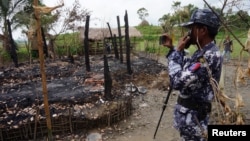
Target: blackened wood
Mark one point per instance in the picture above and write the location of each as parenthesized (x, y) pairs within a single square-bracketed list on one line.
[(104, 46), (115, 47), (111, 34), (127, 43), (107, 79), (86, 44), (113, 44), (13, 48), (120, 39), (71, 59), (45, 47)]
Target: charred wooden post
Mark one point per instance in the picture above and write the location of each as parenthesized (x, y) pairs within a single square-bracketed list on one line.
[(13, 48), (120, 39), (97, 46), (110, 31), (36, 121), (86, 44), (115, 47), (113, 42), (71, 59), (127, 43), (107, 79), (45, 47), (111, 34), (43, 73), (106, 48)]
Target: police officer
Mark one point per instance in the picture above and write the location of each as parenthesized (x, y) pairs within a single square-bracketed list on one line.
[(228, 48), (195, 77)]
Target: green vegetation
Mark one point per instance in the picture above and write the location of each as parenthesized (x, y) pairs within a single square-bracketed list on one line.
[(150, 39), (149, 42), (68, 44), (22, 55)]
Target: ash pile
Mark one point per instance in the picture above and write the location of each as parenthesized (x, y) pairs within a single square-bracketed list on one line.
[(76, 97)]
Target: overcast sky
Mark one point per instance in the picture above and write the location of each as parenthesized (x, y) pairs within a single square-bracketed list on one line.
[(103, 11)]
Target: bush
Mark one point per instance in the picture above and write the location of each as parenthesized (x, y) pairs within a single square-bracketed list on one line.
[(144, 23), (4, 56)]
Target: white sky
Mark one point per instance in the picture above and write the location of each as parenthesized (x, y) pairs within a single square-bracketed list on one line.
[(103, 11)]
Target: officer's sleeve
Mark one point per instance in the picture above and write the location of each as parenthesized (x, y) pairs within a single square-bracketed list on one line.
[(175, 67), (183, 77)]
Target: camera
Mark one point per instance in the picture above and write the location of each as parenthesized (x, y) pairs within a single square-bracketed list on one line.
[(162, 39)]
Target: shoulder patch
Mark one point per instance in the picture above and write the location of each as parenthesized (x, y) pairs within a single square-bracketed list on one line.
[(194, 67)]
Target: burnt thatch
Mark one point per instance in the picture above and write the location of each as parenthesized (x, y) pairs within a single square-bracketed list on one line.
[(101, 33)]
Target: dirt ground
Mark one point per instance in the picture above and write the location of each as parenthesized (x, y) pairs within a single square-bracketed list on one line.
[(141, 125)]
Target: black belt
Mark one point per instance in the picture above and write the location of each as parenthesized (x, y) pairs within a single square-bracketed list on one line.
[(193, 105)]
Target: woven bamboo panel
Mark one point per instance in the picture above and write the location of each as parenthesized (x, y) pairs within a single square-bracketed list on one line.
[(65, 124)]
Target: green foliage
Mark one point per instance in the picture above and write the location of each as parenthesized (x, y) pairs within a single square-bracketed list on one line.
[(142, 13), (150, 49), (68, 44), (151, 36), (4, 56), (144, 23), (146, 30), (22, 54), (150, 33)]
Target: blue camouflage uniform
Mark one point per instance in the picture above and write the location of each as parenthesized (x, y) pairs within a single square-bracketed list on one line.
[(191, 77)]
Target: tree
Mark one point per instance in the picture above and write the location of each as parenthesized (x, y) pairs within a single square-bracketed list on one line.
[(143, 13), (176, 5), (67, 20), (8, 10), (180, 15), (60, 21), (167, 22), (25, 20)]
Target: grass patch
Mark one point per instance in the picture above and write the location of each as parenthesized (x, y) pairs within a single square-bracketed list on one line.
[(150, 41)]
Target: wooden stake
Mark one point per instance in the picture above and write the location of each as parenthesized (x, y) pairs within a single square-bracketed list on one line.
[(42, 71), (127, 40)]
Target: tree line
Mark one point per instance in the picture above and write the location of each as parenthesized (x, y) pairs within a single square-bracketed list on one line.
[(20, 15)]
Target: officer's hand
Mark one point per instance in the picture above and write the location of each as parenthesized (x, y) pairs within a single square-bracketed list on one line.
[(182, 43)]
